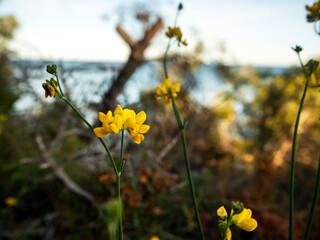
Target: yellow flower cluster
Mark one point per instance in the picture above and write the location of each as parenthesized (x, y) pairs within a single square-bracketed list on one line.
[(176, 32), (314, 12), (123, 119), (166, 87), (154, 238), (242, 220), (50, 88), (11, 201)]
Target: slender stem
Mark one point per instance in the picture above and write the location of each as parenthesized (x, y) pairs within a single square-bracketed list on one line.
[(181, 128), (313, 205), (119, 206), (119, 186), (121, 150), (187, 162), (168, 46), (165, 59), (293, 153), (223, 235), (59, 84), (90, 126)]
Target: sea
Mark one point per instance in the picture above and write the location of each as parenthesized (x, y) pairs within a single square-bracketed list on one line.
[(87, 81)]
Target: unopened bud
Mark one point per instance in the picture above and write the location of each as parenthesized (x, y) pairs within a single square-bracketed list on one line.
[(237, 207), (297, 49)]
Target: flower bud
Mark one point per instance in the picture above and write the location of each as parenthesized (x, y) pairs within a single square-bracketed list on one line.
[(297, 49), (222, 225), (237, 207), (52, 69)]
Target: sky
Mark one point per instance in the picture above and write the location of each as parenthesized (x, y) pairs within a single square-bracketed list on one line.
[(252, 32)]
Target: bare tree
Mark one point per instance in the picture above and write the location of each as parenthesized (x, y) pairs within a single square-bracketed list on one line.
[(136, 58)]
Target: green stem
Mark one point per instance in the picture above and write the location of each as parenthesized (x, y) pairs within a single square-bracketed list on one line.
[(187, 162), (90, 126), (293, 152), (313, 205), (121, 150), (59, 84), (223, 235), (165, 59), (119, 186), (119, 206)]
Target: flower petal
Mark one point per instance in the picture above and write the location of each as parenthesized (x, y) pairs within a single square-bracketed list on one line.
[(175, 87), (137, 138), (222, 213), (228, 234), (118, 110), (100, 132), (167, 83), (245, 214), (114, 128), (109, 117), (141, 117), (102, 116), (144, 129), (248, 224)]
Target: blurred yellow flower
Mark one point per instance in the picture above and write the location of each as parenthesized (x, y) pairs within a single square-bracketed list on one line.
[(154, 238), (314, 12), (176, 32), (166, 86), (124, 119), (11, 201), (50, 88), (228, 234), (222, 213), (106, 119), (3, 117)]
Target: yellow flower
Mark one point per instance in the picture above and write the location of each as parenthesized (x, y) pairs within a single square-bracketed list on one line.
[(50, 88), (106, 119), (314, 12), (154, 238), (124, 119), (176, 32), (244, 221), (222, 213), (11, 201), (163, 90), (228, 234)]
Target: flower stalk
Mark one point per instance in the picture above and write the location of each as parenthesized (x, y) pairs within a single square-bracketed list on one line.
[(314, 202), (311, 65), (123, 119), (187, 162), (169, 92)]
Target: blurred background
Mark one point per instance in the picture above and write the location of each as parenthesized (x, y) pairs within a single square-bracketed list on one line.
[(241, 87)]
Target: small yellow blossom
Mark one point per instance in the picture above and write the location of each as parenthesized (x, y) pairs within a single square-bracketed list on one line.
[(222, 213), (3, 117), (228, 234), (163, 90), (314, 12), (50, 88), (154, 238), (11, 201), (176, 32), (123, 119), (242, 220)]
